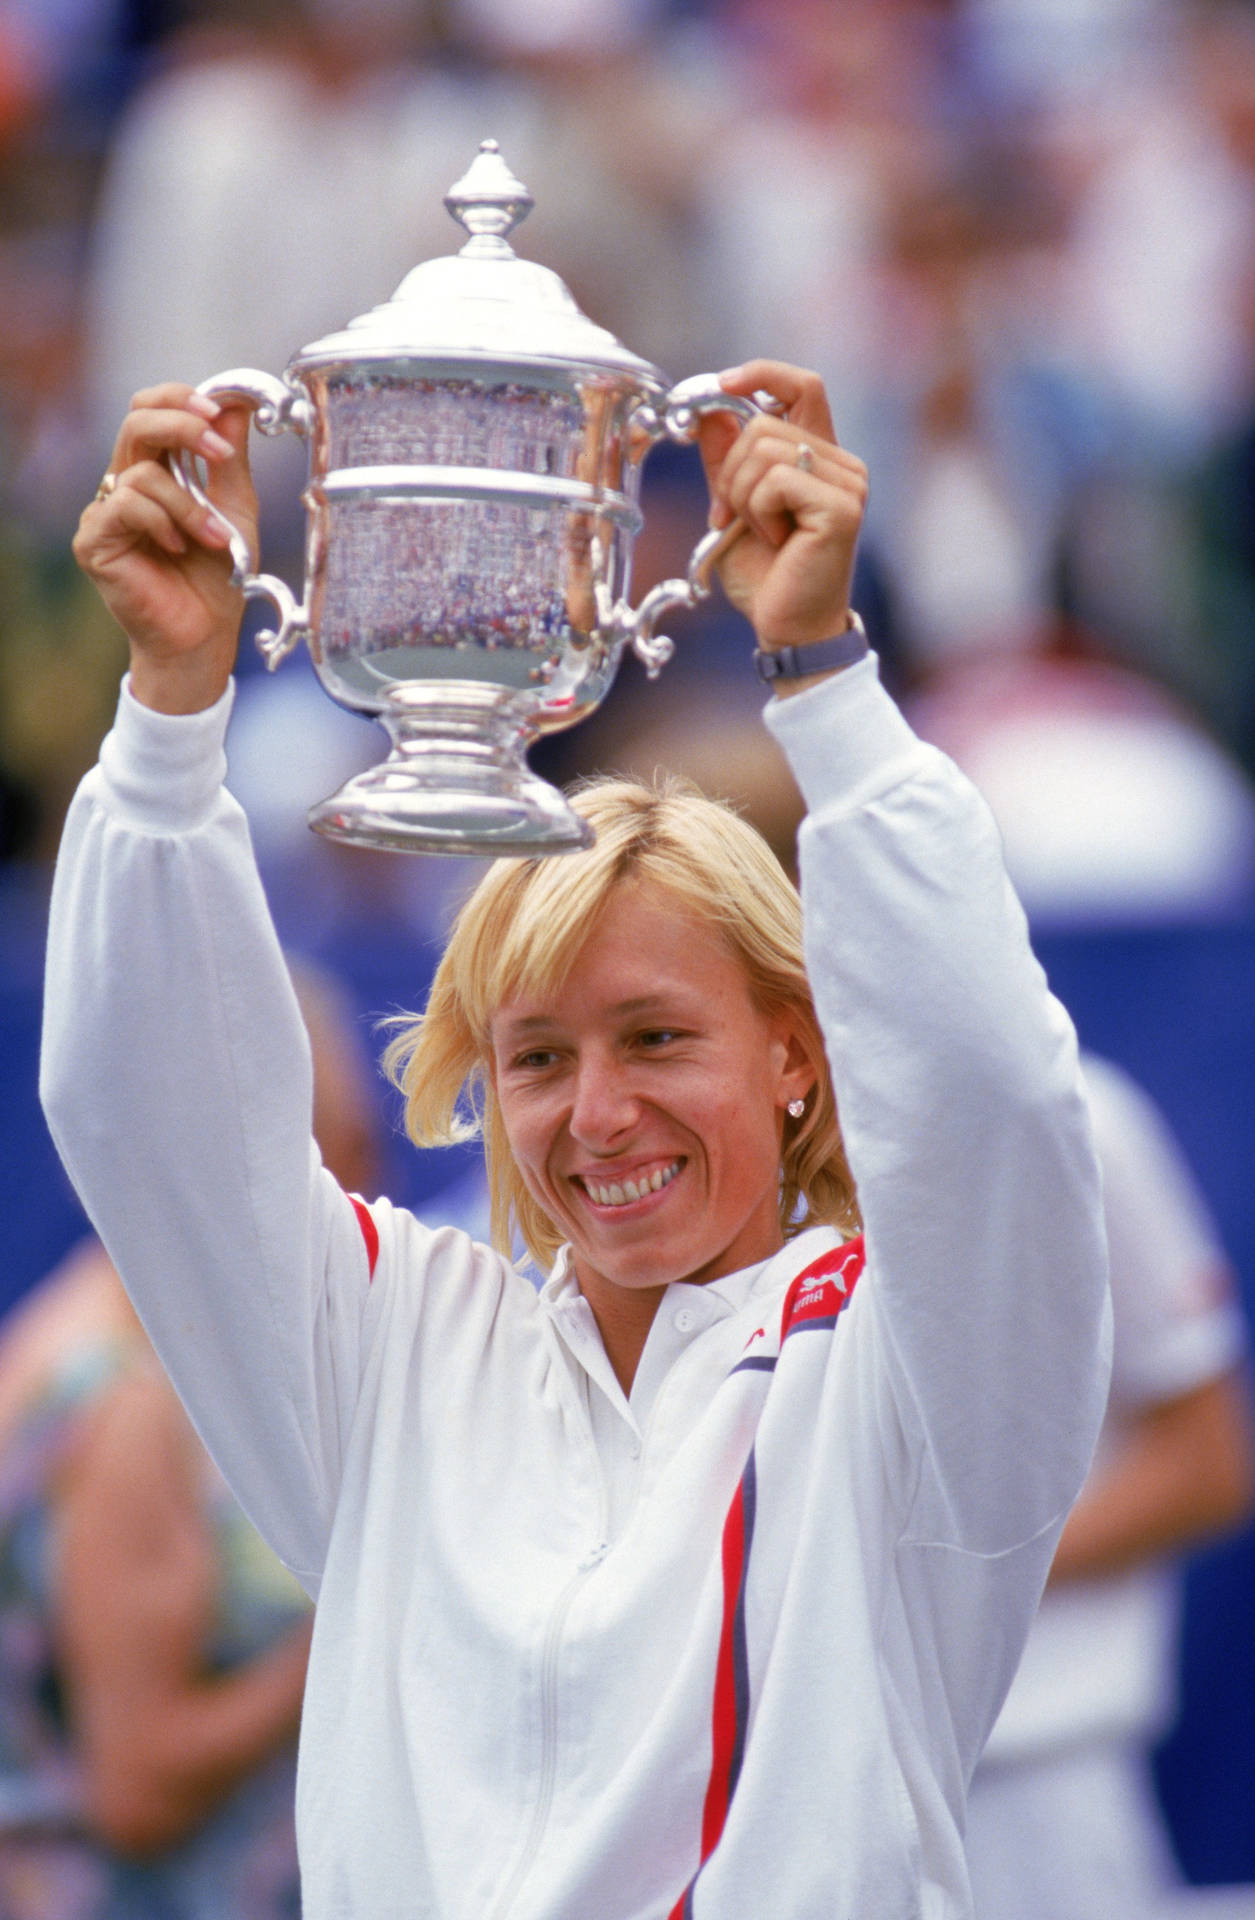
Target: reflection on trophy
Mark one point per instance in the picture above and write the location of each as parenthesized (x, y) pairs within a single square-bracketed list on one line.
[(475, 456)]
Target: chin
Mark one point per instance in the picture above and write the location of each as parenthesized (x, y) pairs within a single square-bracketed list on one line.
[(657, 1272)]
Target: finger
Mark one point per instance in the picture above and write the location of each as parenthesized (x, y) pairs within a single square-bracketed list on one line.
[(827, 470), (131, 522), (771, 443), (176, 393), (719, 434), (800, 392), (766, 442), (230, 481), (149, 501), (137, 517), (154, 480), (151, 431), (785, 497)]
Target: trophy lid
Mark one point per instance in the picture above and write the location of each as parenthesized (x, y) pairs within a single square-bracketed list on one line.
[(484, 302)]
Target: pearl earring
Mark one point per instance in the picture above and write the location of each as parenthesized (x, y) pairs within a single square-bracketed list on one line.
[(797, 1108)]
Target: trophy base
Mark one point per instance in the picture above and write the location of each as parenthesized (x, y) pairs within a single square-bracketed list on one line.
[(452, 785)]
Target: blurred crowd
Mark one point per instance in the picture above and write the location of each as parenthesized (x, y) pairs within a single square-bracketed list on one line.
[(1016, 236)]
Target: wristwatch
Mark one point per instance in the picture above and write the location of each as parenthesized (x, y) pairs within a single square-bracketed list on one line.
[(792, 663)]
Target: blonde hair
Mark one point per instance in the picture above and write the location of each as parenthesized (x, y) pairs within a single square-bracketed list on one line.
[(520, 932)]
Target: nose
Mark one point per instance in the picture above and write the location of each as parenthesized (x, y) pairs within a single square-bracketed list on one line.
[(603, 1105)]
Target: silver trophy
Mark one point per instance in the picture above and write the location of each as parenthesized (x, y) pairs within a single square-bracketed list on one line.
[(475, 455)]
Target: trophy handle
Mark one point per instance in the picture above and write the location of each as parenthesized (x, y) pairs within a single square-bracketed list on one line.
[(280, 407), (684, 406)]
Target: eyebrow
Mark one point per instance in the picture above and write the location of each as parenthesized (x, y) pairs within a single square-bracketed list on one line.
[(621, 1010)]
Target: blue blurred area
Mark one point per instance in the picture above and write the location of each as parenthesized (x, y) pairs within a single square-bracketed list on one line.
[(1175, 1005), (39, 1215)]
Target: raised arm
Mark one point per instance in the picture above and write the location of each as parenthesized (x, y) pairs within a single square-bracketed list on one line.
[(959, 1092), (955, 1071), (958, 1088), (176, 1071)]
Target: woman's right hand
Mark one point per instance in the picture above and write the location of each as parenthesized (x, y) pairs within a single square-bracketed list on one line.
[(159, 560)]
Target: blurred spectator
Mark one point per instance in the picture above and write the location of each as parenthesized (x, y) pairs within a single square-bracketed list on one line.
[(731, 758), (1159, 263), (60, 663), (1031, 54), (279, 171), (831, 112), (1116, 807), (605, 119), (269, 183), (152, 1650), (1155, 317), (977, 434), (1219, 505), (1062, 1816)]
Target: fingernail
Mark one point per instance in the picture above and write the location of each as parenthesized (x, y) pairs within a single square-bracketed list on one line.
[(720, 515), (213, 443), (215, 533), (201, 403), (729, 375)]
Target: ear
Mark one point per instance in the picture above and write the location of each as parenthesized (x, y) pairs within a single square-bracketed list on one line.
[(798, 1075)]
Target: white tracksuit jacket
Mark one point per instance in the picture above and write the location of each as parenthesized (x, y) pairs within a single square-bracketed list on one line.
[(728, 1649)]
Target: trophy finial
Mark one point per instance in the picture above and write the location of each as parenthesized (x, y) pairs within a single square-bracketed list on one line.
[(489, 202)]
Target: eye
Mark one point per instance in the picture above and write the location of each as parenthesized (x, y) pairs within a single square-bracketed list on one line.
[(535, 1060), (655, 1037)]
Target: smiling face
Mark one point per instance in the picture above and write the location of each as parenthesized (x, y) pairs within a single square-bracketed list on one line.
[(643, 1100)]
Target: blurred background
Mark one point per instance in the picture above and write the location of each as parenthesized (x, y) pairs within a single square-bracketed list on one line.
[(1018, 239)]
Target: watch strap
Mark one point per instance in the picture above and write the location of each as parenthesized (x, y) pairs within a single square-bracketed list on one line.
[(821, 656)]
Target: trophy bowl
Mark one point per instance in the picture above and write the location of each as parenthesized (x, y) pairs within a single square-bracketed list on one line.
[(475, 453)]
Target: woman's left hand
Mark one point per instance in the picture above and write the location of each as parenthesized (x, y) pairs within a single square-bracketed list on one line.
[(790, 570)]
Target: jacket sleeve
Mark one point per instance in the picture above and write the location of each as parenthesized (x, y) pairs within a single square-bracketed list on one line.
[(965, 1124), (177, 1082)]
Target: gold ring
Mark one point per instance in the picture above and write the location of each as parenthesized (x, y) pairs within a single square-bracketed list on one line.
[(805, 458), (107, 485)]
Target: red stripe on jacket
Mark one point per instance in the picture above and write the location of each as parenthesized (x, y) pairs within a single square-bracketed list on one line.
[(725, 1722), (370, 1232), (818, 1294)]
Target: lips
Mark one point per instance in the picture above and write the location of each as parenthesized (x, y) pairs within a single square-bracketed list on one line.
[(625, 1190)]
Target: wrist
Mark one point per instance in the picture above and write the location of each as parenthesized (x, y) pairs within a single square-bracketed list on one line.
[(182, 683), (791, 669)]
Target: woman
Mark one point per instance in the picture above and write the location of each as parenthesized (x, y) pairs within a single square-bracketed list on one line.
[(691, 1585)]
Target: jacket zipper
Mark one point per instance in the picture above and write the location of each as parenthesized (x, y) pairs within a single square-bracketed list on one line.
[(550, 1652), (548, 1729)]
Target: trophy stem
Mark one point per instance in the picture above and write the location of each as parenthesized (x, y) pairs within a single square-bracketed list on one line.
[(456, 780)]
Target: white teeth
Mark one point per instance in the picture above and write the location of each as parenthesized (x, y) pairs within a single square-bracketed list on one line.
[(621, 1194)]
